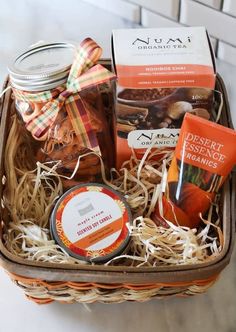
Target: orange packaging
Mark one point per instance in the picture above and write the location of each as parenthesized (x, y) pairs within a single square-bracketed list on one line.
[(162, 74), (204, 156)]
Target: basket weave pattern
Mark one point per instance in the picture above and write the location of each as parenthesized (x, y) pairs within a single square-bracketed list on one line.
[(43, 292)]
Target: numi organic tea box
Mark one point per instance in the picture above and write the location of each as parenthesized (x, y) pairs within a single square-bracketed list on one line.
[(162, 74)]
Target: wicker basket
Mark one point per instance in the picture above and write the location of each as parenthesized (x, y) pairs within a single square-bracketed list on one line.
[(47, 282)]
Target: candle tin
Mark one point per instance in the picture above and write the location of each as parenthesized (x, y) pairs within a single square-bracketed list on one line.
[(90, 222)]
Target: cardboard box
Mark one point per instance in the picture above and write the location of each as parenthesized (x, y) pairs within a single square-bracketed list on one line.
[(162, 74)]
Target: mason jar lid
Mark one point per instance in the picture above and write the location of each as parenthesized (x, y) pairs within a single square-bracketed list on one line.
[(42, 67), (90, 222)]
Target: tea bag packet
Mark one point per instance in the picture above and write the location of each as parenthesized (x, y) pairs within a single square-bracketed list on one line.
[(203, 158), (56, 87)]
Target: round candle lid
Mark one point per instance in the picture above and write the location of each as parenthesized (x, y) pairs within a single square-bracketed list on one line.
[(90, 222)]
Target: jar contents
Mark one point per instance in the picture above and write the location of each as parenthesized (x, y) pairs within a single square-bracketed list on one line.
[(63, 104)]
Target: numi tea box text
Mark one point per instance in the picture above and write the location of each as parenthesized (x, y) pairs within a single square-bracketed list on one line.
[(162, 74)]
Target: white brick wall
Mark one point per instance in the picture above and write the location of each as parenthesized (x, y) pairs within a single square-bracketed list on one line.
[(213, 3), (226, 52), (218, 24), (152, 20), (169, 8), (119, 7), (229, 7), (218, 16)]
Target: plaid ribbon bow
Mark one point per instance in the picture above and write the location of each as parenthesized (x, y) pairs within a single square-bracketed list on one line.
[(84, 73)]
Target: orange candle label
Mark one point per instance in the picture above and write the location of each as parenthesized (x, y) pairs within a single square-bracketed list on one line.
[(90, 222)]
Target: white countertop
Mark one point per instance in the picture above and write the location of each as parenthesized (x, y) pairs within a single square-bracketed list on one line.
[(23, 23)]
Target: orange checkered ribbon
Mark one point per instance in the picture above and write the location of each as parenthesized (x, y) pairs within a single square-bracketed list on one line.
[(84, 73)]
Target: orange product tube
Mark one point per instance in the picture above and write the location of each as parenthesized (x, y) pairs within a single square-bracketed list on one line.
[(204, 156)]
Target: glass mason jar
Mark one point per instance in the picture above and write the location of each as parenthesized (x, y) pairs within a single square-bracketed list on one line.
[(45, 68)]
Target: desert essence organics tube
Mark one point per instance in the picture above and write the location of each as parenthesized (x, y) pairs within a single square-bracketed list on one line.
[(204, 156)]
